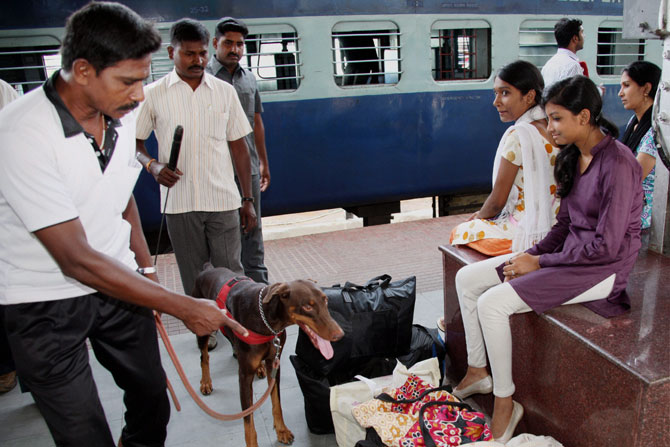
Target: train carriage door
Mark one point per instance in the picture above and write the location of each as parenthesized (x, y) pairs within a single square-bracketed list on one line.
[(27, 61), (366, 53)]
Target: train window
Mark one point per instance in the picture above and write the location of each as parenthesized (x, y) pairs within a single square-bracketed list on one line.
[(461, 50), (161, 64), (273, 55), (615, 52), (366, 53), (537, 43), (27, 66)]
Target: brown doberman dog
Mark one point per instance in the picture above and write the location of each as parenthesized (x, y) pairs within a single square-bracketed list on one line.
[(263, 310)]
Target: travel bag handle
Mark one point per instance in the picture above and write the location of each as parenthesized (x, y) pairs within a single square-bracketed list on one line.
[(377, 281), (427, 438)]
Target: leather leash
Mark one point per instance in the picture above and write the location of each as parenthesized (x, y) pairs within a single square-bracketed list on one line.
[(216, 415)]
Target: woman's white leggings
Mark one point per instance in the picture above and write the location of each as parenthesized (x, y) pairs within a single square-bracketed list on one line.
[(486, 305)]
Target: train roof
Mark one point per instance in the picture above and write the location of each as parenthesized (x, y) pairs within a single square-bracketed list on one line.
[(18, 14)]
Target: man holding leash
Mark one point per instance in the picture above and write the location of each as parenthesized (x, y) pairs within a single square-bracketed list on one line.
[(72, 238), (228, 45), (202, 214)]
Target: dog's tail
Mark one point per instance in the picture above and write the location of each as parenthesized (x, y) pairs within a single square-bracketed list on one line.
[(207, 266)]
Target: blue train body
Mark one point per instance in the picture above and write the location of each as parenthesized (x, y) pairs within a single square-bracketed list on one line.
[(331, 146)]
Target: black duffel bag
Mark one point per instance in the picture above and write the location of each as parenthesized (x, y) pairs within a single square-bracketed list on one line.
[(377, 322)]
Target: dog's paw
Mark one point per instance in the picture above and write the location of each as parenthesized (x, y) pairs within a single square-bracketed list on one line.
[(206, 388), (285, 436), (261, 372)]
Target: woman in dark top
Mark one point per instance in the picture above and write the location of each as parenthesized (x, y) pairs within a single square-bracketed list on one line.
[(639, 82), (586, 257)]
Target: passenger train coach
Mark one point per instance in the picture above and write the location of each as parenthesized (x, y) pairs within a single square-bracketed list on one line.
[(366, 102)]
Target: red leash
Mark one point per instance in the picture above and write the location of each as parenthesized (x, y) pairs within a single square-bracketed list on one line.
[(194, 395)]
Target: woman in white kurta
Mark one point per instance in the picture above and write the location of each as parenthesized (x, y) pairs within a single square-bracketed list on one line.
[(521, 207)]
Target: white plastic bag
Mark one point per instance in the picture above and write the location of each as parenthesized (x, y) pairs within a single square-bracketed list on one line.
[(343, 397), (528, 440)]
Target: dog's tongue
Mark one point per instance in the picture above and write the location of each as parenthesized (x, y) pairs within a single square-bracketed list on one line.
[(325, 347)]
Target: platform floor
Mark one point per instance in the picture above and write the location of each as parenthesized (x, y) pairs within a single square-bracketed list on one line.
[(399, 249)]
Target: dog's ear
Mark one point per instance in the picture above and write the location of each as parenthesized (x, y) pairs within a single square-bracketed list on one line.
[(280, 289)]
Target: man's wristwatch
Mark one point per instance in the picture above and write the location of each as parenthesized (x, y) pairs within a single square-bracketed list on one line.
[(146, 270), (247, 199)]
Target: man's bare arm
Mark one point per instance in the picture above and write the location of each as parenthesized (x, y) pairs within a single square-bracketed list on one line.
[(138, 243), (67, 244), (259, 139), (158, 170), (239, 152)]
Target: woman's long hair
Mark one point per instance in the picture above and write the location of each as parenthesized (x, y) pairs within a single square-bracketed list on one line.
[(575, 94), (523, 76), (642, 72)]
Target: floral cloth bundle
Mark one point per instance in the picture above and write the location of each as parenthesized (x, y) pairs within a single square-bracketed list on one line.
[(417, 415)]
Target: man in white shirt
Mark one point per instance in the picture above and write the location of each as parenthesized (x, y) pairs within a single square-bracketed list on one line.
[(202, 211), (7, 368), (72, 239), (569, 35), (7, 94)]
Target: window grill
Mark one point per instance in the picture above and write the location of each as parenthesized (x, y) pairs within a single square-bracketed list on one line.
[(275, 60), (273, 57), (364, 56), (161, 64), (27, 67), (615, 52), (460, 53), (537, 43)]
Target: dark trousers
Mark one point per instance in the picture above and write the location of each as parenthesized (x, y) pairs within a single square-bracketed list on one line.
[(253, 250), (201, 236), (6, 360), (48, 341)]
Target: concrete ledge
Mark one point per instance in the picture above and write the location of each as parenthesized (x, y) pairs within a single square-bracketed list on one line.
[(584, 379)]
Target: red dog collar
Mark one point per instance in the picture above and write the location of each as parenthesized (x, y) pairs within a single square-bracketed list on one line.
[(253, 338)]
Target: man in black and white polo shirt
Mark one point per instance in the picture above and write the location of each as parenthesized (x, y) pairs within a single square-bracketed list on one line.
[(72, 241)]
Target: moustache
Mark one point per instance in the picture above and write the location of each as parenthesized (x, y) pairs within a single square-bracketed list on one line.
[(196, 66), (130, 106)]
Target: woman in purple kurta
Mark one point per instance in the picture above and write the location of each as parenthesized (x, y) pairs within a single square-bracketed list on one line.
[(597, 234), (586, 257)]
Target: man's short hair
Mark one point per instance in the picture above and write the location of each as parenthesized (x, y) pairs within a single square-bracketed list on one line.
[(565, 29), (231, 24), (106, 33), (188, 30)]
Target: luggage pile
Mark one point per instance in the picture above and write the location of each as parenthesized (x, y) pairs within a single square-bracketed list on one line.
[(377, 322)]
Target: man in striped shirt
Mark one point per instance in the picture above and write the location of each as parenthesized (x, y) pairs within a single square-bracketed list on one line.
[(202, 212)]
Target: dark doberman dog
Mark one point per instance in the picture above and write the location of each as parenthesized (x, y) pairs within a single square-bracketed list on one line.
[(256, 307)]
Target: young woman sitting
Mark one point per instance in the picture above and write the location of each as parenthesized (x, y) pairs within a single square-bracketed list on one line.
[(585, 258), (639, 82), (521, 207)]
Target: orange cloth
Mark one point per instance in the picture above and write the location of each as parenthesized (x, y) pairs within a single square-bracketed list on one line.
[(490, 247)]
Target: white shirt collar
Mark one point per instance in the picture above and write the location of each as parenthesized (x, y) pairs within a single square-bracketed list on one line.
[(173, 78), (568, 53)]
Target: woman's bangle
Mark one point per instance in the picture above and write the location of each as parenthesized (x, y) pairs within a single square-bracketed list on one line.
[(149, 165)]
